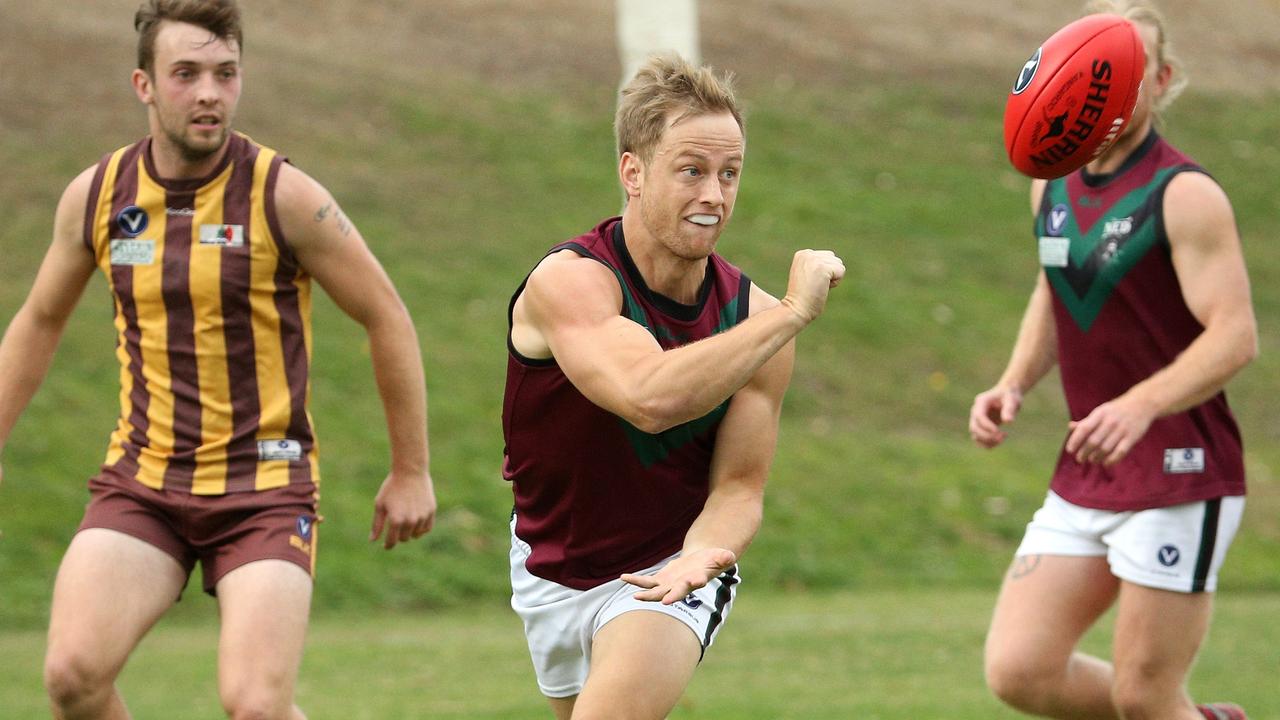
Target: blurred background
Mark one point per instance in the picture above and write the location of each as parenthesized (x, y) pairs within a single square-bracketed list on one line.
[(464, 137)]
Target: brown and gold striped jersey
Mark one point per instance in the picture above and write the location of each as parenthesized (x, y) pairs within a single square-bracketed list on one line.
[(213, 322)]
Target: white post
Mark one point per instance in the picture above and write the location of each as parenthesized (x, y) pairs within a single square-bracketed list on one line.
[(646, 27)]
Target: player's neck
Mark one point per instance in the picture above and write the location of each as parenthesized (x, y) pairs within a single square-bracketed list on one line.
[(663, 271), (170, 164), (1114, 157)]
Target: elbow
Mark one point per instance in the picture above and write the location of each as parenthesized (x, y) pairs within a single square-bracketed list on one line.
[(652, 415)]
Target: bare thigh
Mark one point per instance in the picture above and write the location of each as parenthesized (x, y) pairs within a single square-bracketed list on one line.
[(641, 663), (1046, 604), (264, 607), (111, 589), (1157, 636)]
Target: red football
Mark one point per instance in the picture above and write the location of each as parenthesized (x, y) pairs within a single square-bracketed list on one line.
[(1074, 96)]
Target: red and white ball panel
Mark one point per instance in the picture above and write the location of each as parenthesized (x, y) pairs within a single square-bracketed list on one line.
[(1074, 96)]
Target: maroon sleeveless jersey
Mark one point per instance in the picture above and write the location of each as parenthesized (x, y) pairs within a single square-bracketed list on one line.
[(595, 496), (1120, 318)]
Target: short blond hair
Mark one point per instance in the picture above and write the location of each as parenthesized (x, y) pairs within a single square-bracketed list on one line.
[(1144, 13), (668, 83)]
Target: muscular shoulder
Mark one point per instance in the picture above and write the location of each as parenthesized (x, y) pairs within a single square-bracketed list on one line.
[(1196, 208), (566, 279), (301, 204), (72, 206)]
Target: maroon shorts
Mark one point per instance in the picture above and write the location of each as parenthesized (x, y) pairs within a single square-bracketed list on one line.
[(223, 532)]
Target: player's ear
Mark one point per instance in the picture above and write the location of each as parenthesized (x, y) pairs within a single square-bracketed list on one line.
[(631, 174), (143, 86)]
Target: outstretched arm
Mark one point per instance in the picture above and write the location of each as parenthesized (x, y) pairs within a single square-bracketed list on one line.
[(744, 451), (1215, 285), (569, 310), (331, 249), (29, 343)]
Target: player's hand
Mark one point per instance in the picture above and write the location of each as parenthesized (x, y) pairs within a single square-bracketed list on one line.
[(405, 507), (682, 575), (813, 274), (1108, 433), (991, 409)]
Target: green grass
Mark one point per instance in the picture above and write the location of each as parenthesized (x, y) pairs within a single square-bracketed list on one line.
[(882, 655), (459, 186)]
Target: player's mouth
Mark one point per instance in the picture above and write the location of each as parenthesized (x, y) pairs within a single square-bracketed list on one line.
[(704, 220), (206, 122)]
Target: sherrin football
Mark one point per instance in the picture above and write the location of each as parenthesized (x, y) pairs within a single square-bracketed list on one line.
[(1074, 96)]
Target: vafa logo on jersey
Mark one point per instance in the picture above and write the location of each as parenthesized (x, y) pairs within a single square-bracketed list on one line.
[(133, 220)]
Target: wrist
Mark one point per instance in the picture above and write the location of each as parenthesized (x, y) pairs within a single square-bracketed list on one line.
[(801, 317)]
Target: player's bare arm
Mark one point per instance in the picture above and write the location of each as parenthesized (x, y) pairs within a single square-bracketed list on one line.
[(32, 337), (1211, 272), (569, 310), (331, 249), (744, 452)]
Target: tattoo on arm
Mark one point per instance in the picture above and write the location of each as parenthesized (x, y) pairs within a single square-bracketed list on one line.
[(1024, 565), (344, 225)]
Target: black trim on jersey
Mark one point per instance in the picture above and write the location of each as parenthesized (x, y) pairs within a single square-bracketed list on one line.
[(723, 595), (511, 307), (667, 306), (1208, 538), (744, 298), (1099, 181)]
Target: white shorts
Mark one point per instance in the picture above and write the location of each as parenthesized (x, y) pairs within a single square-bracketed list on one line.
[(1179, 548), (561, 622)]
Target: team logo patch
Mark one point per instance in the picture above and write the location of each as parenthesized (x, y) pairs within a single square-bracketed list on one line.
[(282, 449), (1028, 73), (692, 601), (1057, 220), (133, 252), (304, 526), (133, 220), (1168, 555), (224, 235), (1183, 460)]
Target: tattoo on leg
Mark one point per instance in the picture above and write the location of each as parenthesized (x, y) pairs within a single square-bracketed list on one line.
[(1023, 566)]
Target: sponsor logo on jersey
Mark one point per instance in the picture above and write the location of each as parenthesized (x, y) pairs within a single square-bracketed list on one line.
[(1055, 251), (133, 252), (224, 235), (282, 449), (1183, 460), (186, 212), (133, 220), (1168, 555)]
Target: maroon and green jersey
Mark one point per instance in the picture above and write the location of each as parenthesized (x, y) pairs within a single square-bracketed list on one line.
[(1120, 317), (595, 496)]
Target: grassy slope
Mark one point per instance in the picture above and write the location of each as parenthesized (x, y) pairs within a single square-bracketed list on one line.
[(459, 186)]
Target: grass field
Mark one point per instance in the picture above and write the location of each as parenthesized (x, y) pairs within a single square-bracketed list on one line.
[(891, 655)]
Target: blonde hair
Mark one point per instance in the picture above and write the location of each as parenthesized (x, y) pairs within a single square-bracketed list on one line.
[(664, 84), (1143, 12)]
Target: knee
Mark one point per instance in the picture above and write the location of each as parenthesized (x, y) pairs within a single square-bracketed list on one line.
[(72, 678), (1139, 695), (1018, 681), (249, 704)]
